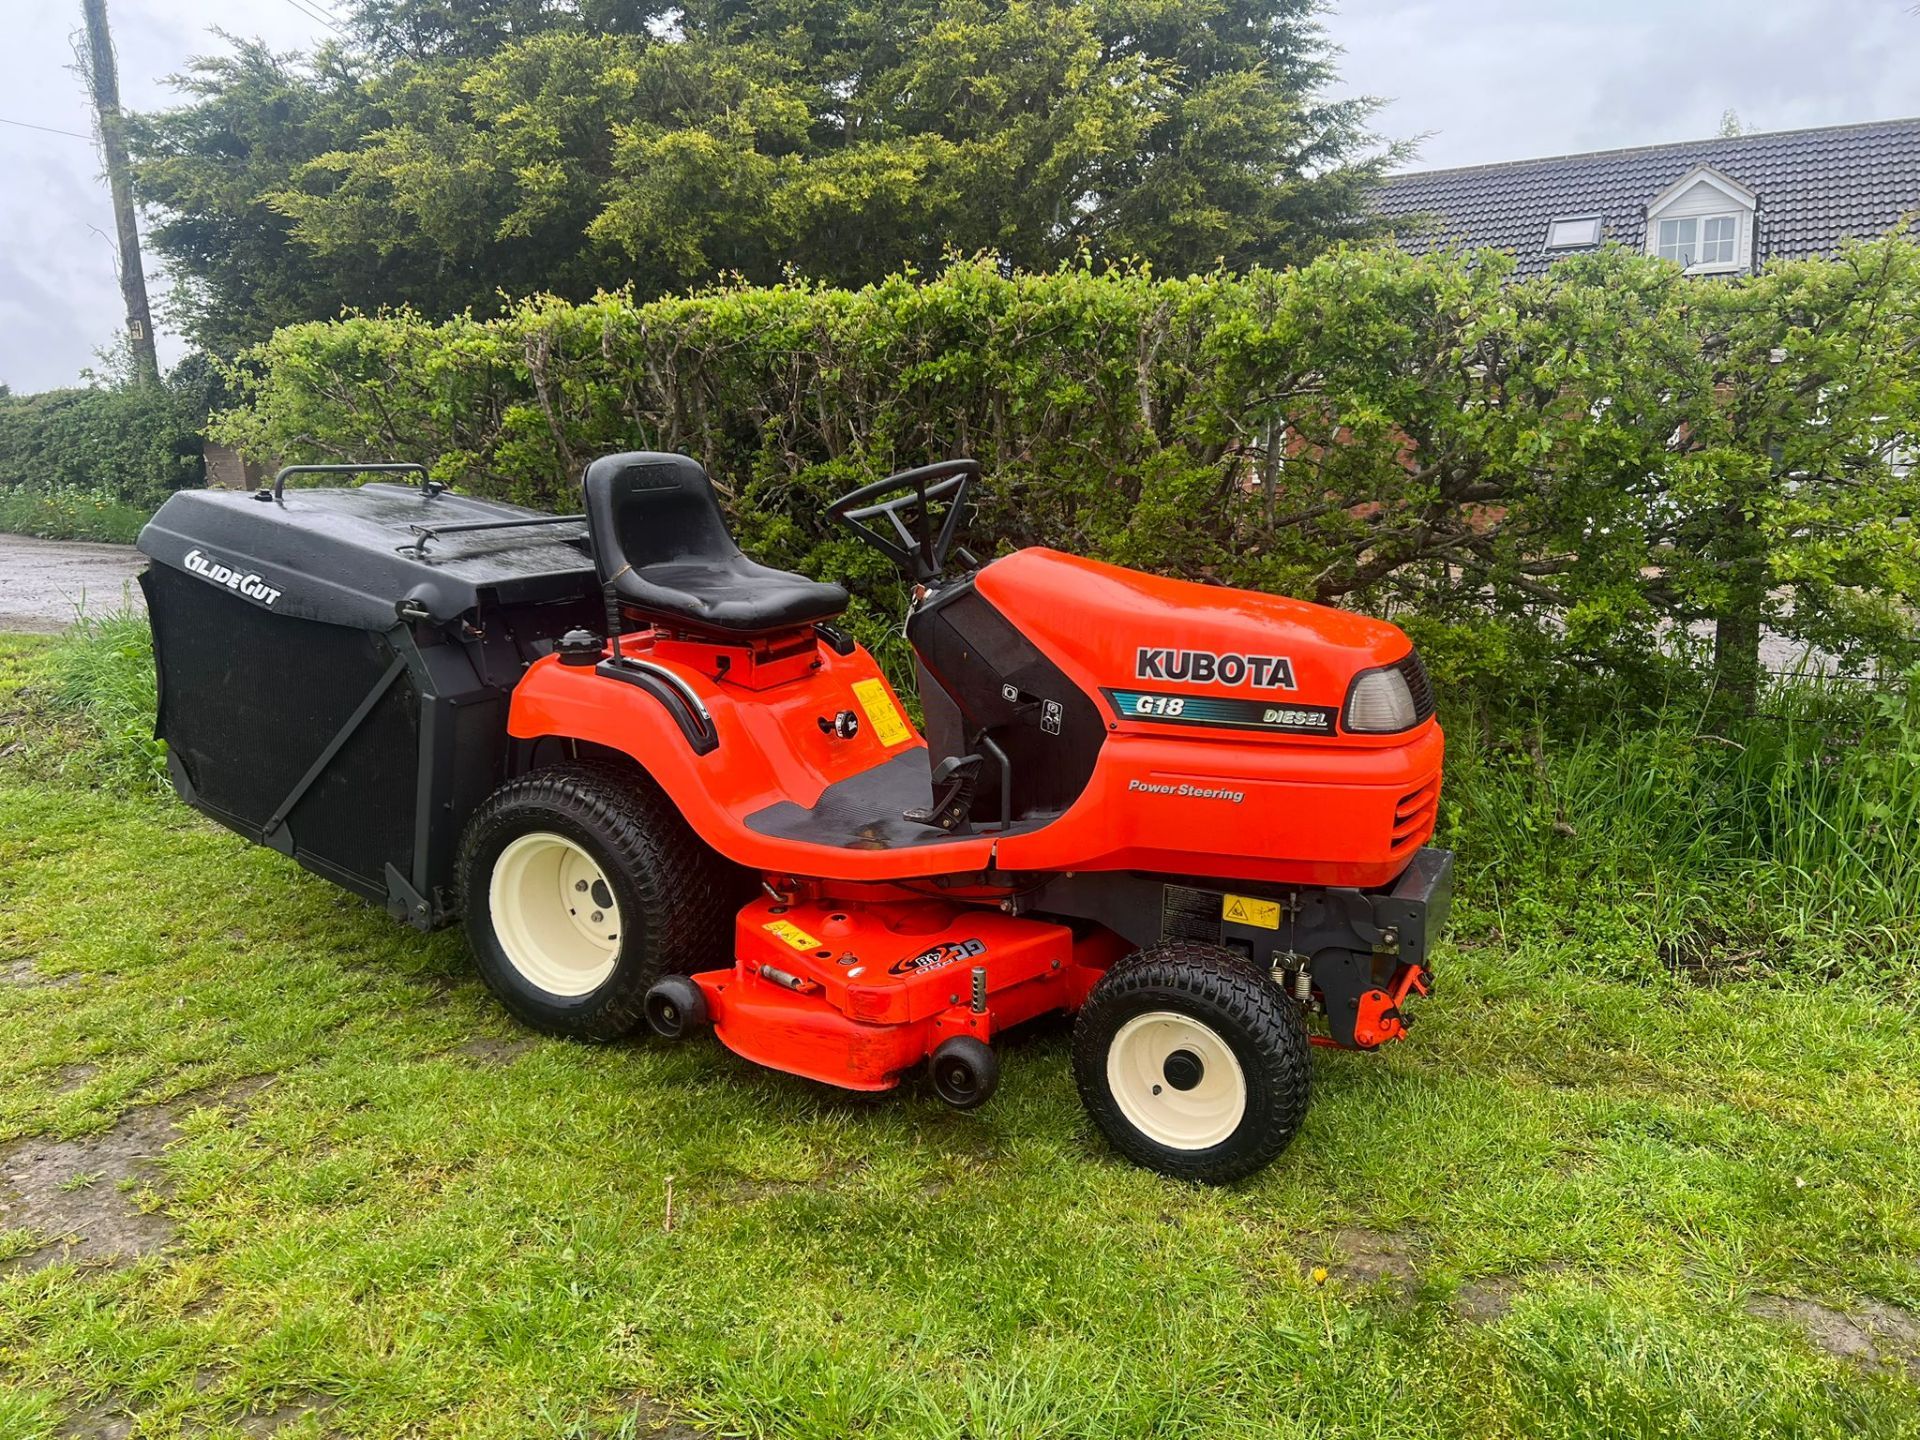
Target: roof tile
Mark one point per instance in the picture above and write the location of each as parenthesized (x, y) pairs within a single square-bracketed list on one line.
[(1816, 188)]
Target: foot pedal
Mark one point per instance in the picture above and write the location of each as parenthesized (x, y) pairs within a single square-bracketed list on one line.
[(953, 782)]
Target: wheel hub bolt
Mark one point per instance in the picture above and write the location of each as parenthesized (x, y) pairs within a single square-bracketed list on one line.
[(597, 917)]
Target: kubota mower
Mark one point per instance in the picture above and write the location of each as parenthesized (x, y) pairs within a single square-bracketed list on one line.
[(661, 786)]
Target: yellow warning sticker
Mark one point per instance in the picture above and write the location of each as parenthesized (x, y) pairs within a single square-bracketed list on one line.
[(882, 713), (1245, 910), (792, 934)]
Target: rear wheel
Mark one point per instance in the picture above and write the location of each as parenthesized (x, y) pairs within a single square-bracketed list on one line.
[(1193, 1063), (581, 887)]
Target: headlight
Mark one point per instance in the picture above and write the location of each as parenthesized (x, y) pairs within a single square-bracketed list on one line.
[(1379, 702)]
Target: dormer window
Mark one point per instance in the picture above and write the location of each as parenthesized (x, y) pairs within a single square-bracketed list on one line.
[(1703, 223)]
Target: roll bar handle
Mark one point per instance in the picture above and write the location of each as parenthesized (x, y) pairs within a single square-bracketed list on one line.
[(429, 488)]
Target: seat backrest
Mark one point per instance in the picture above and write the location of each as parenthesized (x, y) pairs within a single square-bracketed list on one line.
[(646, 507)]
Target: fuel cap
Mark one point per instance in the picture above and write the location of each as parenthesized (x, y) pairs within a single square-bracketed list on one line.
[(579, 647)]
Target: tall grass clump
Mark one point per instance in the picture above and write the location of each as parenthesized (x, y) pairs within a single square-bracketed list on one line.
[(100, 681), (1713, 843), (70, 513)]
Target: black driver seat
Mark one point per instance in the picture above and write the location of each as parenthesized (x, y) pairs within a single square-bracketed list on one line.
[(661, 547)]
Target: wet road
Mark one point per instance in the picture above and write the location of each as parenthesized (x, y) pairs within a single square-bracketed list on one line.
[(43, 583)]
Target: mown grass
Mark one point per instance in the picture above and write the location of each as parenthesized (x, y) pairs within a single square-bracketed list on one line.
[(415, 1235), (68, 514)]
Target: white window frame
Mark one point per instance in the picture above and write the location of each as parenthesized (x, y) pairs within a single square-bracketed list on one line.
[(1699, 242), (1731, 242)]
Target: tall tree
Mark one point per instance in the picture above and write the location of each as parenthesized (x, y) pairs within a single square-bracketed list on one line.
[(458, 148)]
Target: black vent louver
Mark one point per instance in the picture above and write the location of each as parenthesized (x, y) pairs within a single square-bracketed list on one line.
[(1418, 685)]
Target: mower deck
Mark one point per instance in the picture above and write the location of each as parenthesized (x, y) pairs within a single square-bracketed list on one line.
[(855, 992)]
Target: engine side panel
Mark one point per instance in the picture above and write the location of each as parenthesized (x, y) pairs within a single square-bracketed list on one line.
[(1248, 810)]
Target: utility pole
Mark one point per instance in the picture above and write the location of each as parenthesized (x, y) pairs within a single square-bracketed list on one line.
[(104, 77)]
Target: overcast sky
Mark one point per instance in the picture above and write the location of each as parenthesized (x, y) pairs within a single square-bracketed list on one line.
[(1481, 79)]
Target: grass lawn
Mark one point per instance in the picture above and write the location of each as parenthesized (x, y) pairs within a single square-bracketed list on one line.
[(273, 1165)]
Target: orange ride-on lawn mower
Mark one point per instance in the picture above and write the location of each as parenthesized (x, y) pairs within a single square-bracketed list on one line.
[(662, 787)]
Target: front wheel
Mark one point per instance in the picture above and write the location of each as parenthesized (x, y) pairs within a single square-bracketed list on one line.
[(1193, 1063), (581, 887)]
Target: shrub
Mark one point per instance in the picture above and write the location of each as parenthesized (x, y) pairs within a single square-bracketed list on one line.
[(1572, 469), (91, 463)]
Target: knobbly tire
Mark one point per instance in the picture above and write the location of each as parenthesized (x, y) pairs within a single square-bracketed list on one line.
[(582, 886), (1192, 1062)]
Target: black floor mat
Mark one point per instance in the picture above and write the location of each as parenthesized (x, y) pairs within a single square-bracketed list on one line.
[(863, 812)]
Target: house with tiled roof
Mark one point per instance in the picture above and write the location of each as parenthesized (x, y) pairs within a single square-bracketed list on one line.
[(1718, 207)]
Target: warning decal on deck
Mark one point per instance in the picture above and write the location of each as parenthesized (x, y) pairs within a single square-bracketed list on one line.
[(792, 934), (1245, 910), (882, 713)]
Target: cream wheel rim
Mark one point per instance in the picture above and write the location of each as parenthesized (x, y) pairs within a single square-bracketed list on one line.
[(1177, 1082), (554, 914)]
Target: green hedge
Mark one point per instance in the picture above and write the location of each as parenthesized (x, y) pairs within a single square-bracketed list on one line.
[(1591, 468), (129, 443)]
